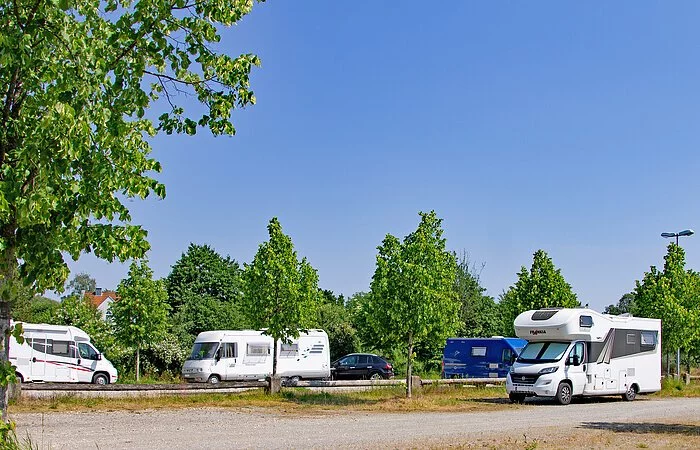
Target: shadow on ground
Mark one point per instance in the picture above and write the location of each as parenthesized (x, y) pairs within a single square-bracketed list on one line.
[(543, 401), (644, 427)]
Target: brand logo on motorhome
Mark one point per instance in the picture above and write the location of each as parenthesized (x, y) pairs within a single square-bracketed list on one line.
[(536, 332)]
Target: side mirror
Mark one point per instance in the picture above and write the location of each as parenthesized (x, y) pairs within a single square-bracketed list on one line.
[(576, 360), (513, 357), (99, 356), (218, 354)]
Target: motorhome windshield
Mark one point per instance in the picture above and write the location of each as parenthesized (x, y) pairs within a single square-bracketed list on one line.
[(204, 350), (543, 352)]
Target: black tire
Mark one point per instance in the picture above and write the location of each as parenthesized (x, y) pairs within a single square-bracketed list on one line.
[(516, 398), (101, 379), (20, 378), (564, 393), (214, 379), (630, 394), (375, 376), (294, 380)]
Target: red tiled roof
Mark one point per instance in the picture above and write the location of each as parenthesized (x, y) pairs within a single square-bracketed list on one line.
[(97, 300)]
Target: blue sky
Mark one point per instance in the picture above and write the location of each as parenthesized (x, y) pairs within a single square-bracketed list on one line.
[(566, 126)]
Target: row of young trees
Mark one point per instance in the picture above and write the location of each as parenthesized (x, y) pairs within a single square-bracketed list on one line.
[(420, 294)]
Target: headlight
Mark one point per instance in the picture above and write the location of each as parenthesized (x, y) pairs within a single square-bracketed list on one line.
[(200, 370), (548, 370), (512, 369)]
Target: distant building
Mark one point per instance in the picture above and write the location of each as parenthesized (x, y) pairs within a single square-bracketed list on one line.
[(102, 299)]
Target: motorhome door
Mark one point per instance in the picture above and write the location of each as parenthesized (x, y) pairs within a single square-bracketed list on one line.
[(229, 358), (576, 367), (37, 360)]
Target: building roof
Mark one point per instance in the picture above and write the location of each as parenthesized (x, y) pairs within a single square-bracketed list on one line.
[(100, 296)]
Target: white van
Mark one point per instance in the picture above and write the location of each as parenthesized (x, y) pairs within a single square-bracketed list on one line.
[(579, 352), (59, 353), (247, 355)]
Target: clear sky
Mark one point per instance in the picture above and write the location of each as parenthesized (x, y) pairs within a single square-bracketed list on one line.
[(567, 126)]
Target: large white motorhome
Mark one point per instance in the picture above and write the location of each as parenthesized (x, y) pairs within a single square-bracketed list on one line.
[(247, 355), (580, 352), (59, 353)]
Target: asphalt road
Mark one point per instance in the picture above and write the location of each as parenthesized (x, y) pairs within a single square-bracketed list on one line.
[(217, 428)]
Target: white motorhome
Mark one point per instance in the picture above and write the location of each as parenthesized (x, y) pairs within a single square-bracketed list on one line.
[(247, 355), (59, 353), (580, 352)]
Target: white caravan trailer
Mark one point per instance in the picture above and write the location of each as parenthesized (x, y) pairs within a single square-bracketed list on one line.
[(578, 351), (247, 355), (59, 353)]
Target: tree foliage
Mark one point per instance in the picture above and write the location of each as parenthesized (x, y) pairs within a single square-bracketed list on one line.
[(334, 318), (81, 283), (205, 292), (140, 314), (479, 315), (672, 295), (543, 286), (78, 311), (281, 292), (84, 87), (412, 299), (626, 304)]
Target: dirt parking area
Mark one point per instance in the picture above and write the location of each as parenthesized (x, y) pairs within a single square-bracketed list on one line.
[(644, 423)]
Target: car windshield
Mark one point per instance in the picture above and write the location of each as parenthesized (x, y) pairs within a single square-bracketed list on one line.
[(543, 352), (204, 350)]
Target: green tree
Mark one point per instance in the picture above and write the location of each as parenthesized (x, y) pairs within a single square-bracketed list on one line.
[(412, 300), (140, 314), (281, 292), (86, 85), (81, 283), (204, 292), (479, 315), (672, 295), (626, 304), (543, 286)]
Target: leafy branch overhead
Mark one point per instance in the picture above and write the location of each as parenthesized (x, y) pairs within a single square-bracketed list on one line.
[(84, 86)]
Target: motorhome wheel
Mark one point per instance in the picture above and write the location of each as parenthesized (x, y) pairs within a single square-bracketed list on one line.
[(100, 378), (630, 394), (516, 398), (564, 393), (214, 379)]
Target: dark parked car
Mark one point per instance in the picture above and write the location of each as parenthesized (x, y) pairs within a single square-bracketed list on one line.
[(361, 366)]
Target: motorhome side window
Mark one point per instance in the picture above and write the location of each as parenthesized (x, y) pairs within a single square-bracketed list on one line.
[(578, 351), (648, 341), (289, 350), (258, 350), (478, 351), (86, 351), (507, 355), (59, 348), (585, 321), (229, 350), (39, 345)]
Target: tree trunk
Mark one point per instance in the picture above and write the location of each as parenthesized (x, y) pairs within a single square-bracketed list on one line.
[(409, 366), (4, 350), (274, 357), (138, 364)]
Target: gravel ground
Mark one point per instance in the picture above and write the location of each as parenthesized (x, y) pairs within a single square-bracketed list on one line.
[(212, 428)]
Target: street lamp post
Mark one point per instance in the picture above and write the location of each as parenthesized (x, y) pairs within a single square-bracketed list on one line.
[(678, 352)]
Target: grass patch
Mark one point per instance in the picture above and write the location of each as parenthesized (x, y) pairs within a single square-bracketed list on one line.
[(291, 400), (671, 387)]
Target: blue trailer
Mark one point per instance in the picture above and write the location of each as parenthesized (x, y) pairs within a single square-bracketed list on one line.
[(479, 357)]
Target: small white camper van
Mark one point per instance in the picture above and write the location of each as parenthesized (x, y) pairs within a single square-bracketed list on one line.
[(247, 355), (59, 354), (578, 351)]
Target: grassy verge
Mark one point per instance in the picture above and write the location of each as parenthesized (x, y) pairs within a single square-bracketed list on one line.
[(304, 401), (298, 400)]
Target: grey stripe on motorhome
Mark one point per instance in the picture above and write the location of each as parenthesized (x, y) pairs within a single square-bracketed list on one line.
[(616, 345)]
